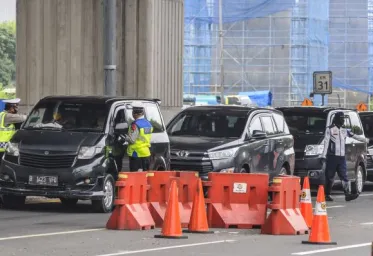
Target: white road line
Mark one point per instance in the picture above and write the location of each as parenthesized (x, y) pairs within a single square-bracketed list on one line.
[(332, 249), (50, 234), (367, 223), (335, 206), (167, 248)]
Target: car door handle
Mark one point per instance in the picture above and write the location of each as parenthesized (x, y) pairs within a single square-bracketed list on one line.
[(353, 145)]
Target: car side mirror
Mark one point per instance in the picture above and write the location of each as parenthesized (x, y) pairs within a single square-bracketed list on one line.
[(258, 134), (121, 128)]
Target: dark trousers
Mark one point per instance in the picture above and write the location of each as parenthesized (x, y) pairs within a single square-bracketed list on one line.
[(334, 164), (137, 163)]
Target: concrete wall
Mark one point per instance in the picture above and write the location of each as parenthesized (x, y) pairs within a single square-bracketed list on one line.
[(60, 49)]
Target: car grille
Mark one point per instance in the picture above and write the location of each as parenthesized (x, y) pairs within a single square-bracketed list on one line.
[(47, 161), (194, 162)]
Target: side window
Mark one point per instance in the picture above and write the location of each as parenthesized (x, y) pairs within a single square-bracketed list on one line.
[(120, 116), (280, 123), (255, 125), (268, 125), (355, 123), (154, 117)]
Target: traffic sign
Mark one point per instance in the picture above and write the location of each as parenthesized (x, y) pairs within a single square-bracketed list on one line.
[(322, 82), (362, 107), (307, 102)]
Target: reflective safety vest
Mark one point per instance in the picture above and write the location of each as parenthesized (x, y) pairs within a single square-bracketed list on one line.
[(6, 132), (141, 147)]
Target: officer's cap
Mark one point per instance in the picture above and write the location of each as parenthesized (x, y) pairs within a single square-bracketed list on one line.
[(12, 101), (137, 107)]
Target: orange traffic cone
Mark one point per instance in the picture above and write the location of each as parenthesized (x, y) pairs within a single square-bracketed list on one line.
[(320, 226), (198, 218), (306, 203), (172, 224)]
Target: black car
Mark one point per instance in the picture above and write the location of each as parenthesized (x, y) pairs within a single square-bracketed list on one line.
[(68, 148), (231, 139), (367, 121), (308, 125)]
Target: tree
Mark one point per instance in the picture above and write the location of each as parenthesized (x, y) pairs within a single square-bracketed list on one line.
[(7, 52)]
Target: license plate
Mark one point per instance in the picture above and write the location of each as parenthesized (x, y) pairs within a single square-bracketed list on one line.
[(43, 180)]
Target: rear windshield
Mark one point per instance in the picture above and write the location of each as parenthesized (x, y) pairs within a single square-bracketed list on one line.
[(208, 124), (367, 122), (67, 115), (305, 122)]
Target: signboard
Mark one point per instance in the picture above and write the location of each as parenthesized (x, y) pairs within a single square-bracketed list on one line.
[(322, 82), (239, 188), (362, 107), (307, 102)]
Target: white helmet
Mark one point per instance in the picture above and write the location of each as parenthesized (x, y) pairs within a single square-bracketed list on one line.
[(137, 107)]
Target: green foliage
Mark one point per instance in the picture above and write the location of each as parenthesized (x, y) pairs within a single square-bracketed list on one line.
[(7, 52)]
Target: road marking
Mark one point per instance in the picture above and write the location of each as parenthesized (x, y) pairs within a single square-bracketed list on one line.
[(50, 234), (332, 249), (167, 248), (335, 206), (367, 223)]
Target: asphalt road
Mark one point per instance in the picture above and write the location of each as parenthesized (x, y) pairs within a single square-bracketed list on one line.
[(48, 229)]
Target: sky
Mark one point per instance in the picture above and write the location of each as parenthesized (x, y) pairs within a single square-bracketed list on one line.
[(7, 10)]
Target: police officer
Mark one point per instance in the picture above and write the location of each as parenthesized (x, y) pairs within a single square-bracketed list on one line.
[(9, 118), (138, 138), (334, 156)]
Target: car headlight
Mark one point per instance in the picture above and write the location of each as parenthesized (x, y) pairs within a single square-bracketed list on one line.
[(370, 151), (12, 149), (314, 150), (89, 152), (228, 153)]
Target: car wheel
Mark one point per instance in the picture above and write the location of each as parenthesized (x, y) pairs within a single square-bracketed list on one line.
[(106, 204), (11, 201), (69, 202), (357, 185)]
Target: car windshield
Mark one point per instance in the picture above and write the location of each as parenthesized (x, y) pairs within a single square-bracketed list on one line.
[(73, 115), (306, 122), (367, 122), (208, 124)]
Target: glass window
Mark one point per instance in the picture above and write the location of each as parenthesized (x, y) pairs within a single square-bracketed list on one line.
[(355, 123), (367, 125), (208, 124), (255, 125), (268, 125), (154, 117), (281, 124), (120, 116), (305, 122), (68, 114)]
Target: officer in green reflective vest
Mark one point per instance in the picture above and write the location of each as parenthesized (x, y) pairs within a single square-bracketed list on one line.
[(138, 138), (8, 118)]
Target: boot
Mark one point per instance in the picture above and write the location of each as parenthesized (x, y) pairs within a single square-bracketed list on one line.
[(328, 198), (347, 191)]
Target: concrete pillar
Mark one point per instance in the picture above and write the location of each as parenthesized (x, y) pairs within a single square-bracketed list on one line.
[(60, 49)]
